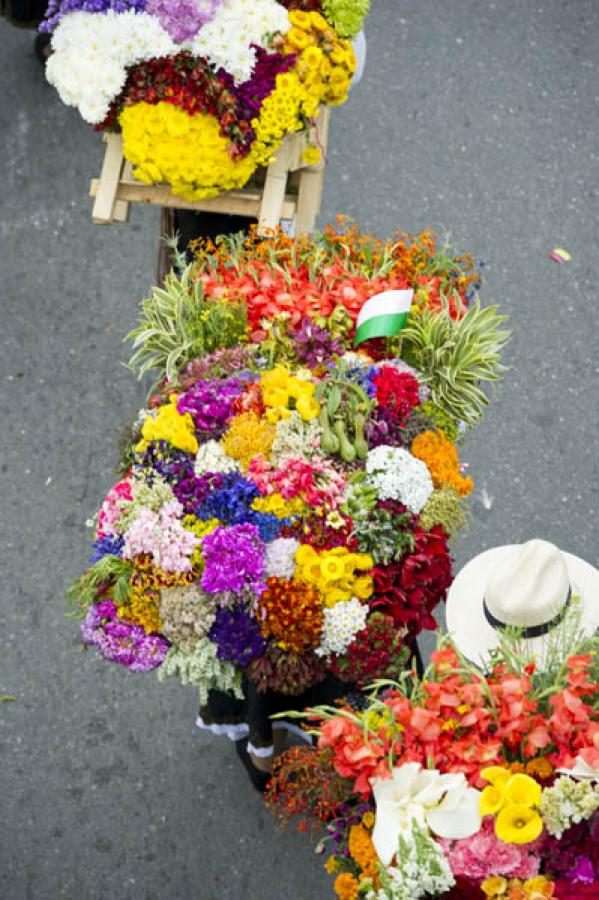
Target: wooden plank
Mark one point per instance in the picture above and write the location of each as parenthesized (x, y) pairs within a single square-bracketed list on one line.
[(309, 198), (275, 189), (103, 211)]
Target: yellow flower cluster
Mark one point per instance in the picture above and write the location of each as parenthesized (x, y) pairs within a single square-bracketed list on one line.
[(169, 425), (326, 62), (334, 573), (279, 114), (142, 608), (249, 435), (165, 143), (514, 801), (279, 506), (200, 528), (282, 392), (496, 887), (441, 459)]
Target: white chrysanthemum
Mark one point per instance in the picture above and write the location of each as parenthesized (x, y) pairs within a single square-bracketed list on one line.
[(212, 458), (225, 40), (91, 54), (397, 475), (341, 624), (280, 557)]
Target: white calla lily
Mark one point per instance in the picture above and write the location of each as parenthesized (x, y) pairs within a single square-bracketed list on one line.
[(581, 771), (443, 804)]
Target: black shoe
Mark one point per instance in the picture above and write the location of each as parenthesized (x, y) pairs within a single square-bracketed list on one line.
[(258, 778)]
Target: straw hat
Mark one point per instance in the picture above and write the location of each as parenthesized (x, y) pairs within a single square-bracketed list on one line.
[(533, 586)]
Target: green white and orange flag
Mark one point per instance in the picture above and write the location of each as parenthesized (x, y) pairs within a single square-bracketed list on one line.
[(383, 315)]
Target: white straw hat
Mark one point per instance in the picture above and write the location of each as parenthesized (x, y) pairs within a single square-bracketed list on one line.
[(533, 586)]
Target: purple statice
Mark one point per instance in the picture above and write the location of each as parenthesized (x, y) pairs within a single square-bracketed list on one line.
[(313, 345), (237, 636), (165, 460), (233, 560), (184, 18), (192, 491), (56, 9), (210, 404), (108, 545), (122, 642)]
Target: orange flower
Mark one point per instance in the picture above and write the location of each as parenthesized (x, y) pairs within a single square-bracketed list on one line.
[(362, 850), (346, 887), (291, 613), (540, 767), (441, 459)]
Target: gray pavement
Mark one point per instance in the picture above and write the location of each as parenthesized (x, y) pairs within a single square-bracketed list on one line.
[(476, 117)]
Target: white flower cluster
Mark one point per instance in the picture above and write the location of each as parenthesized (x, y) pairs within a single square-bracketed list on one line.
[(225, 40), (397, 475), (280, 557), (296, 437), (421, 870), (341, 624), (91, 53), (212, 458), (203, 669), (568, 802)]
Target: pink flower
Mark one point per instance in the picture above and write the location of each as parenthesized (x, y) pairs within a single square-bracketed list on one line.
[(112, 508), (161, 535), (484, 854)]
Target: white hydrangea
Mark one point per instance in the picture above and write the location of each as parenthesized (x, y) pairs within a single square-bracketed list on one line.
[(91, 53), (212, 458), (279, 559), (225, 40), (397, 475), (341, 624)]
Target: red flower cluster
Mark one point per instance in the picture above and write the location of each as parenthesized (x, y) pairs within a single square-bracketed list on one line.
[(378, 651), (396, 393), (410, 589)]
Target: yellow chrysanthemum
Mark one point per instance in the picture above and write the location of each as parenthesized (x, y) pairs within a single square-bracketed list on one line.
[(300, 19), (248, 436), (494, 886), (166, 144), (296, 39), (517, 824)]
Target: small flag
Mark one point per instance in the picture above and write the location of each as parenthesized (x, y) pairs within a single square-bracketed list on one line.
[(383, 315), (559, 255)]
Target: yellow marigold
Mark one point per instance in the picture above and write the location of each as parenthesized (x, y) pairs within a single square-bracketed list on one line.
[(142, 608), (346, 886), (441, 458), (279, 506), (164, 143), (169, 425), (362, 850), (248, 435)]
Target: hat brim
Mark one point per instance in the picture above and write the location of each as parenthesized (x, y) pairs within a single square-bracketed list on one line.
[(476, 638)]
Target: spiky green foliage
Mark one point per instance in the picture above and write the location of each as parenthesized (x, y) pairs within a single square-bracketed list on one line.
[(455, 356), (178, 324), (110, 571)]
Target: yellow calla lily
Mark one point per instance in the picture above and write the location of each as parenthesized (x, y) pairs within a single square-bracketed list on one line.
[(523, 790), (517, 824), (491, 800), (496, 775)]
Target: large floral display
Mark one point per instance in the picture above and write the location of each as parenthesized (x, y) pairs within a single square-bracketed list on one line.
[(203, 90), (460, 784), (287, 496)]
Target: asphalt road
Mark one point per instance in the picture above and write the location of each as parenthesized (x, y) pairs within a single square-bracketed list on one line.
[(476, 117)]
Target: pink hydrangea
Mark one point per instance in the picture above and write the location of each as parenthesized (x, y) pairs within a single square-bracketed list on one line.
[(484, 854), (112, 508), (162, 535)]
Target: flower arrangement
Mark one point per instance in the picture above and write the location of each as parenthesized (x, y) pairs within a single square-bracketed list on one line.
[(266, 526), (459, 784), (203, 91)]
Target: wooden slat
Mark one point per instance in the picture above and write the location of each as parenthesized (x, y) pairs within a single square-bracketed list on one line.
[(275, 188), (103, 210), (311, 180)]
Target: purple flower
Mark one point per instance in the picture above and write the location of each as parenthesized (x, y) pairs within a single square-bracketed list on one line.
[(122, 642), (582, 871), (210, 404), (56, 9), (237, 635), (314, 345), (184, 18), (233, 560)]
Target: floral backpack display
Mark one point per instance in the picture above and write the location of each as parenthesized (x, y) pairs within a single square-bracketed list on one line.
[(288, 494), (203, 91)]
